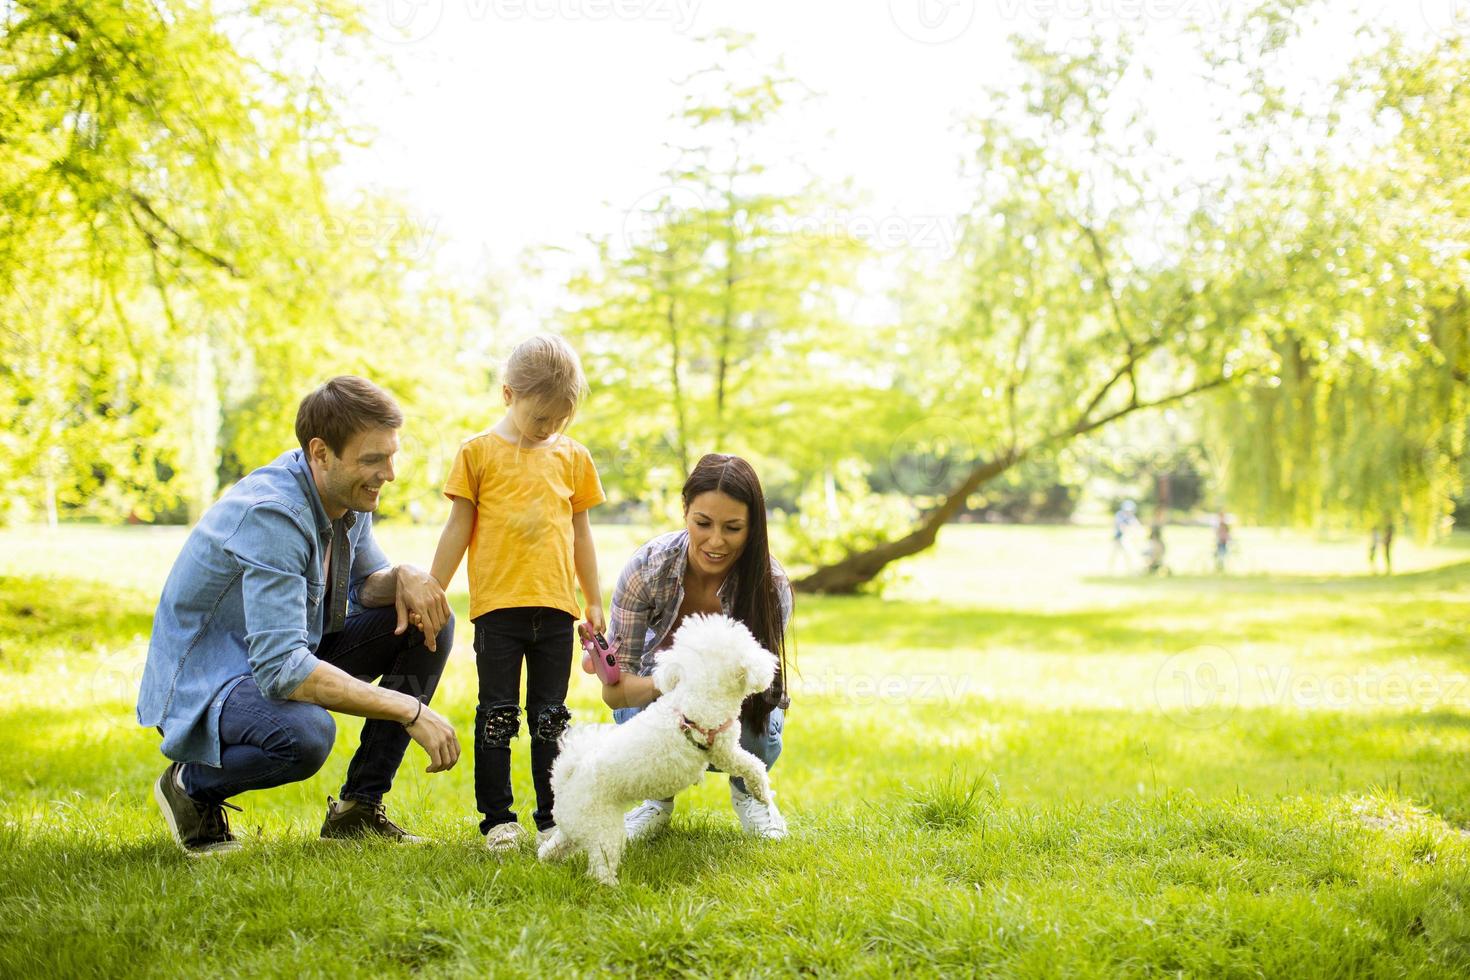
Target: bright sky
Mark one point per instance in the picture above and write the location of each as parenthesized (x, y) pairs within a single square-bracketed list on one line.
[(518, 123)]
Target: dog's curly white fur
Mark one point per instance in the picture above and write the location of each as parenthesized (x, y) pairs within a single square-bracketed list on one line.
[(602, 770)]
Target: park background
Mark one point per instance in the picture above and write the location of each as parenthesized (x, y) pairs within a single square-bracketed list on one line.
[(959, 278)]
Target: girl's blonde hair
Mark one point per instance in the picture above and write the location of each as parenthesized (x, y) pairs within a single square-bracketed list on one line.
[(546, 368)]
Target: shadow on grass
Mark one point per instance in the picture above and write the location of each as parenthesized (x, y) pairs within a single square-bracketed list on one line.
[(1398, 614), (1172, 614), (1453, 576), (1421, 626), (80, 617)]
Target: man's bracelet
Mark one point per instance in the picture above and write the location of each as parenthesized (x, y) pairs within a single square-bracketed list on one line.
[(409, 724)]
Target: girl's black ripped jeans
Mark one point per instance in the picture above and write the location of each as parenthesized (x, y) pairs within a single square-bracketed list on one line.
[(542, 637)]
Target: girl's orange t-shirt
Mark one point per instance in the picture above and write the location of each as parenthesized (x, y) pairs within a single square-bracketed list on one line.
[(520, 550)]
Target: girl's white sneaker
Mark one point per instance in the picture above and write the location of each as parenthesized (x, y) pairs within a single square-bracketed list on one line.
[(508, 836)]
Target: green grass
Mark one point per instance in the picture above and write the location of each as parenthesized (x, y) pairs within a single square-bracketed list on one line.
[(1016, 763)]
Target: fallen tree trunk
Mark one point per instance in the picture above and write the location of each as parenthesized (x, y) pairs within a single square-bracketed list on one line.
[(852, 572)]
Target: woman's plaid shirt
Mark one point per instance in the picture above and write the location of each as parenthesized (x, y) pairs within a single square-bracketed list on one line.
[(650, 590)]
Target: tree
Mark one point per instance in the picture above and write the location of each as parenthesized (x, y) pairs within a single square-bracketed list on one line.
[(1321, 311), (175, 269), (1066, 309), (700, 318), (1362, 419)]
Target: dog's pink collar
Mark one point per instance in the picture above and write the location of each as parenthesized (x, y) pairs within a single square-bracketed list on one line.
[(689, 728)]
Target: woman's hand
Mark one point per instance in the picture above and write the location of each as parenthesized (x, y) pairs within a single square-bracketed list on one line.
[(632, 691)]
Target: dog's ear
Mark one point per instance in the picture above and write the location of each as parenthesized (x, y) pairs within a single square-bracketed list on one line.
[(667, 672), (760, 668)]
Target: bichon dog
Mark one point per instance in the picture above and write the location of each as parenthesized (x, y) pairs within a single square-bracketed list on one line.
[(603, 770)]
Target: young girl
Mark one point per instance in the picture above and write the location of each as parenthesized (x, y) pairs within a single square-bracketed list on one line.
[(520, 493)]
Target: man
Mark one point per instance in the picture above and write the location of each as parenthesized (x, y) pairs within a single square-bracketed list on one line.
[(253, 642)]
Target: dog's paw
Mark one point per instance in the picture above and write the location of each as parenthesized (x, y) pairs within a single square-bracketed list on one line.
[(555, 848), (760, 789)]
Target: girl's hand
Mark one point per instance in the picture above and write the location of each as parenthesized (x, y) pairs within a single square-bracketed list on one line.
[(595, 620)]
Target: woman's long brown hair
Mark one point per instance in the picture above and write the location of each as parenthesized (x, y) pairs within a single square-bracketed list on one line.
[(757, 604)]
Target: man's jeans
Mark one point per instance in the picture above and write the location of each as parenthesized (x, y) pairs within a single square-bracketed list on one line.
[(268, 743), (542, 637), (764, 746)]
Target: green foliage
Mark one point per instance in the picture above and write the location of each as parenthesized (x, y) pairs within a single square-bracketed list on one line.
[(1034, 491), (200, 271), (1072, 301), (1093, 280), (953, 801), (835, 514), (724, 280), (1361, 419), (199, 275)]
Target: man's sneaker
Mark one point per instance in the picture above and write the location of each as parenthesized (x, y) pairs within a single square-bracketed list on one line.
[(757, 818), (648, 819), (354, 818), (503, 837), (542, 836), (201, 829)]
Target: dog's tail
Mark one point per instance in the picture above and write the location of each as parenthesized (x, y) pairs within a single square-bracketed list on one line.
[(574, 745)]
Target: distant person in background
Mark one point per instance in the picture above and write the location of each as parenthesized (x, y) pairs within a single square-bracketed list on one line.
[(1382, 538), (1222, 539), (1154, 550), (1126, 517)]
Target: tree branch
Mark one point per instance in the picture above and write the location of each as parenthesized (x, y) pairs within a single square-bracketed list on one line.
[(180, 239), (1135, 354), (1107, 281), (1018, 375), (1082, 426)]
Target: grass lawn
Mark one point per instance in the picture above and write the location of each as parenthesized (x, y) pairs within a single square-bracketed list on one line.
[(1014, 763)]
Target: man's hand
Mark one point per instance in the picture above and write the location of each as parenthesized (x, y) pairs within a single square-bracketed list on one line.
[(419, 599), (437, 737), (337, 690), (596, 620)]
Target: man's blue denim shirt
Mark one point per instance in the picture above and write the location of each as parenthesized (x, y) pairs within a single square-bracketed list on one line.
[(244, 599)]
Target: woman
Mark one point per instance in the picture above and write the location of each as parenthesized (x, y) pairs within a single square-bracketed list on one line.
[(720, 563)]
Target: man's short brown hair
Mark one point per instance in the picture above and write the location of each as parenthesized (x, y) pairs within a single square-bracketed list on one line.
[(343, 407)]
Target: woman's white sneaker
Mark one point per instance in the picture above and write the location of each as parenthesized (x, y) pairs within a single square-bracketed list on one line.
[(756, 818), (647, 819)]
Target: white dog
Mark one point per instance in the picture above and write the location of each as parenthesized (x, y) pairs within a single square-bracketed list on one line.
[(604, 769)]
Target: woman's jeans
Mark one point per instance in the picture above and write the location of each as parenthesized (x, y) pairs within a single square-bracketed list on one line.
[(542, 637), (765, 746), (267, 743)]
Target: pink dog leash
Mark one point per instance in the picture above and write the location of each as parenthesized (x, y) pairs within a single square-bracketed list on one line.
[(599, 658)]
